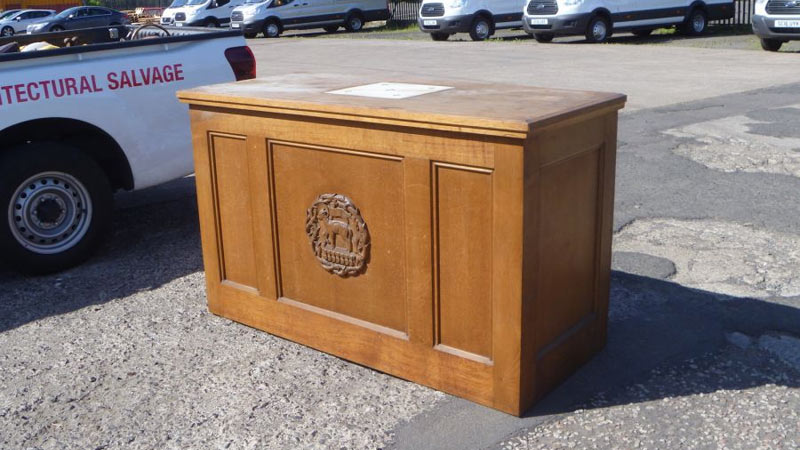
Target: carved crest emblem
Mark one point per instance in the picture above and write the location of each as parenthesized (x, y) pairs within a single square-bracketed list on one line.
[(338, 234)]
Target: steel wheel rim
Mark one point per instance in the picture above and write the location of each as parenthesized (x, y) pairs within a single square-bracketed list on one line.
[(50, 213), (599, 30), (272, 30), (355, 23), (698, 22), (482, 29)]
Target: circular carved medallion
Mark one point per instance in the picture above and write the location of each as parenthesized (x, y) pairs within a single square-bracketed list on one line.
[(338, 235)]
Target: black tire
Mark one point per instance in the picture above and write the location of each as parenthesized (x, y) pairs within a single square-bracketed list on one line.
[(70, 220), (480, 29), (598, 30), (250, 35), (696, 23), (642, 33), (543, 38), (272, 29), (56, 28), (440, 36), (771, 45), (211, 23), (331, 28), (354, 22), (7, 31)]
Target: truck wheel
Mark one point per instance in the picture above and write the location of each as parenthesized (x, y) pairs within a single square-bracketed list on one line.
[(771, 45), (440, 36), (272, 29), (354, 22), (481, 29), (642, 33), (696, 23), (57, 203), (543, 38), (331, 28), (599, 30), (7, 31)]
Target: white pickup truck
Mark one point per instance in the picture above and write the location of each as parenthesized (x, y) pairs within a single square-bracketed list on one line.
[(79, 122)]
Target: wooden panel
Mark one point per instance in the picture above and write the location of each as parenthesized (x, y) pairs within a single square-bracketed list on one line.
[(235, 219), (463, 217), (568, 233), (374, 183)]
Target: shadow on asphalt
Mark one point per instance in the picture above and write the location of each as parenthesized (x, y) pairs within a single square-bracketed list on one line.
[(651, 322), (655, 323), (154, 240)]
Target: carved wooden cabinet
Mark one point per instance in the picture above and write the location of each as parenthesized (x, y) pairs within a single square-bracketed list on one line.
[(454, 234)]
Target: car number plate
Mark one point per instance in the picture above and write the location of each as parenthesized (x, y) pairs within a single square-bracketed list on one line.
[(178, 24), (538, 22), (429, 23), (787, 24), (235, 25)]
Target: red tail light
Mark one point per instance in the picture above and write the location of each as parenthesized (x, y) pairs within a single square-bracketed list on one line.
[(242, 62)]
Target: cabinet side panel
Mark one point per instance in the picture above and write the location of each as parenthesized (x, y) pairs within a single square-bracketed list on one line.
[(463, 211), (229, 161), (567, 243)]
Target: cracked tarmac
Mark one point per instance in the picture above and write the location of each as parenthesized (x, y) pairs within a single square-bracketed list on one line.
[(704, 321)]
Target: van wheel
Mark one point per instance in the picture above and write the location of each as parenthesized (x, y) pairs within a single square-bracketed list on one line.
[(331, 28), (7, 31), (272, 29), (771, 45), (543, 38), (354, 22), (57, 203), (481, 29), (440, 36), (210, 23), (642, 33), (599, 30), (696, 23)]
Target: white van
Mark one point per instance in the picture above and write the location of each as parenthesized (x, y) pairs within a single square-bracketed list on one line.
[(776, 22), (479, 18), (598, 19), (168, 15), (205, 13), (272, 17)]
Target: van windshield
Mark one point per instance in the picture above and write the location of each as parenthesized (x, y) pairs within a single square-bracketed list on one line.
[(250, 2), (177, 3), (195, 2)]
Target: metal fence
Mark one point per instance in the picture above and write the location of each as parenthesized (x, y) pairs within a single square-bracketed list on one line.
[(743, 12), (403, 12)]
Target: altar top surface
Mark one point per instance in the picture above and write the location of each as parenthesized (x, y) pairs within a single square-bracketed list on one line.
[(493, 109)]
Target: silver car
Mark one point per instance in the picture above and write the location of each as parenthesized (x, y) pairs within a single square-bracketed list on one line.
[(19, 21)]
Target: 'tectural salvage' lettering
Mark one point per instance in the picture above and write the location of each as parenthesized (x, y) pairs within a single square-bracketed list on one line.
[(87, 84)]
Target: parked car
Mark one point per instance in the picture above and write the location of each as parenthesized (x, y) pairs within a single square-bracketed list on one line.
[(273, 17), (168, 15), (598, 19), (19, 21), (479, 18), (776, 22), (79, 17), (71, 122), (205, 13)]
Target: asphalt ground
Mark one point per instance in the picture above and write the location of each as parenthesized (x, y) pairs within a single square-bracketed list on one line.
[(704, 326)]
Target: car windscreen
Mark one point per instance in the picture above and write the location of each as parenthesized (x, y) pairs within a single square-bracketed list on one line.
[(66, 13), (177, 3), (195, 2), (250, 2), (8, 14)]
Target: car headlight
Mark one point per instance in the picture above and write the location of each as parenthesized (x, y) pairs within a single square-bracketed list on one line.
[(456, 4), (572, 2)]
